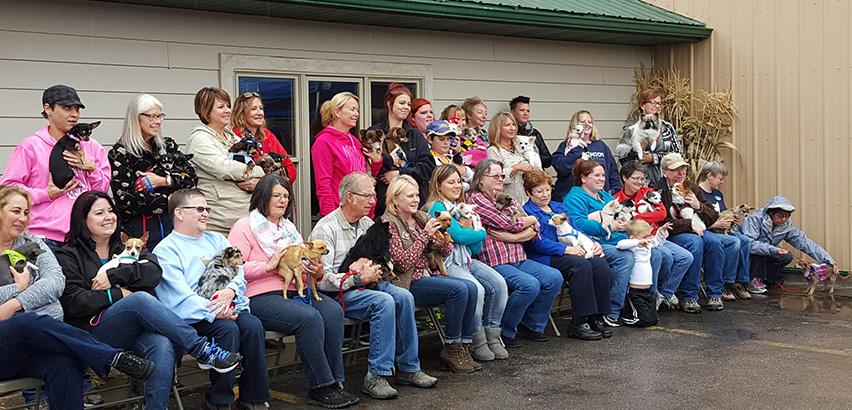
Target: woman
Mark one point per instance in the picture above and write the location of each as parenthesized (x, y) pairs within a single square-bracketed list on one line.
[(737, 281), (146, 169), (118, 307), (445, 194), (477, 114), (262, 238), (503, 130), (336, 152), (440, 135), (221, 179), (592, 146), (651, 102), (249, 119), (533, 286), (586, 197), (401, 113), (412, 238), (588, 279), (675, 260)]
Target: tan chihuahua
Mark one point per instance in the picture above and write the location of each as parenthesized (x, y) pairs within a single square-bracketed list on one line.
[(290, 265)]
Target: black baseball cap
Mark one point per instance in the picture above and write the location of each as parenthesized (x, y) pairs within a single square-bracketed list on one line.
[(62, 95)]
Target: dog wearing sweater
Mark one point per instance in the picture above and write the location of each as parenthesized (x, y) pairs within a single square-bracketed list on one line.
[(679, 208), (60, 172), (20, 257), (570, 236)]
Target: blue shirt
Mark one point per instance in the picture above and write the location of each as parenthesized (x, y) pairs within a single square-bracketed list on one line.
[(716, 199), (546, 244)]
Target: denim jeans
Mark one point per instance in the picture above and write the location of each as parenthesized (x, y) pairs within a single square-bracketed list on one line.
[(458, 296), (744, 260), (42, 347), (691, 282), (533, 287), (671, 276), (393, 331), (721, 253), (589, 281), (621, 263), (141, 323), (492, 293), (244, 335), (318, 328)]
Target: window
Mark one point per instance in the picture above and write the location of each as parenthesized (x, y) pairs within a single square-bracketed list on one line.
[(278, 105), (320, 91)]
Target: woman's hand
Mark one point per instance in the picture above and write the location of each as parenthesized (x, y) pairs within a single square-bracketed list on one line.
[(79, 162), (101, 282), (248, 185), (156, 181), (432, 226), (8, 309), (125, 293), (530, 221), (647, 158), (22, 278), (521, 167), (782, 251), (597, 250), (54, 192), (722, 224), (619, 225), (374, 155), (574, 250), (275, 260)]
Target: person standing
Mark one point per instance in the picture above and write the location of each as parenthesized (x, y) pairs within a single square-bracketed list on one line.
[(520, 108)]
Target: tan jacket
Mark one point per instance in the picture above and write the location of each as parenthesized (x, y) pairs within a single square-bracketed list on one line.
[(218, 177)]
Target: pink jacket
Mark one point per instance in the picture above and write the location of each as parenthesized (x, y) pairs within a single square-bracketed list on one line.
[(336, 154), (28, 168), (258, 278)]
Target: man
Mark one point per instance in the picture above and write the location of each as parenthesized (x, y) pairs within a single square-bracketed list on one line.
[(393, 331), (520, 107), (767, 227), (224, 317), (28, 167), (711, 251)]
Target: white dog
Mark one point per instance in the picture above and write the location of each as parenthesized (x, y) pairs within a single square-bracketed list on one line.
[(575, 139), (570, 236), (465, 211), (606, 216), (683, 211), (526, 147), (643, 135)]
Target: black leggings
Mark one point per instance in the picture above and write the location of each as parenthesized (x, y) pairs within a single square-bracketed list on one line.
[(589, 281)]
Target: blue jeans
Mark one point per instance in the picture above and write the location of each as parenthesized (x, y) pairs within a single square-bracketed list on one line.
[(318, 328), (721, 253), (244, 335), (621, 263), (533, 287), (492, 293), (691, 282), (141, 323), (393, 331), (458, 296), (671, 275), (40, 346), (744, 260)]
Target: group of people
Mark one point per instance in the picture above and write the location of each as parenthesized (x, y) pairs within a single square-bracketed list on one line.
[(460, 216)]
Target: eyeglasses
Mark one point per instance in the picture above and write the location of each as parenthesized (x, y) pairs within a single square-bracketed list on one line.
[(154, 117), (281, 196), (637, 179), (199, 208), (497, 176), (368, 196), (250, 94), (654, 103)]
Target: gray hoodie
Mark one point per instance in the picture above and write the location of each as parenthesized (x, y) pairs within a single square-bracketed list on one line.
[(46, 284), (758, 226)]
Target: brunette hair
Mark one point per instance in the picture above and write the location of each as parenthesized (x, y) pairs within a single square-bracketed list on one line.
[(394, 91), (535, 178), (582, 168), (438, 177), (263, 194), (181, 197), (631, 167), (206, 98), (78, 230), (241, 108)]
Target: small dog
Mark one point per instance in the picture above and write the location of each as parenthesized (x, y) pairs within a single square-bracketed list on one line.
[(467, 217), (679, 208), (570, 236), (445, 219), (392, 145), (273, 163), (741, 211), (60, 172), (374, 245), (648, 203), (290, 265), (817, 272), (526, 147), (432, 251), (219, 271), (372, 139), (606, 216), (575, 139), (643, 137), (20, 257), (625, 214), (245, 150), (132, 249), (506, 203)]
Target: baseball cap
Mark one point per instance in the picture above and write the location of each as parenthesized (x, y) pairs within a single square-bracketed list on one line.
[(441, 127), (62, 95), (672, 160)]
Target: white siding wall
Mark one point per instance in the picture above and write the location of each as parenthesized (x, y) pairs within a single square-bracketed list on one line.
[(109, 52)]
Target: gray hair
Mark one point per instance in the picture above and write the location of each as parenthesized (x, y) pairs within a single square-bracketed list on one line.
[(131, 136), (712, 167), (481, 171), (351, 182)]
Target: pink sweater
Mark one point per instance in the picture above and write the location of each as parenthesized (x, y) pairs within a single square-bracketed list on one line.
[(336, 154), (258, 278), (28, 168)]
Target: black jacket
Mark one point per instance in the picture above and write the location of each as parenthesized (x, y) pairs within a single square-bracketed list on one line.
[(707, 213), (540, 145), (80, 264)]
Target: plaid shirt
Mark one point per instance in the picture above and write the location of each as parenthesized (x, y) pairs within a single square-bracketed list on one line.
[(496, 252), (340, 236)]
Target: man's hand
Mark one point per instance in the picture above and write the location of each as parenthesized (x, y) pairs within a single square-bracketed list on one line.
[(220, 303), (782, 251), (692, 201), (367, 271), (647, 158), (313, 269)]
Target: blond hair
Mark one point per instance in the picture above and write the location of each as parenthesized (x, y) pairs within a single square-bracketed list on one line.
[(6, 194), (575, 119), (497, 125), (638, 227), (335, 103), (396, 186)]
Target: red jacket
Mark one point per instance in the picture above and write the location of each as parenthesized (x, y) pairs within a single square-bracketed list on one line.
[(655, 217), (270, 143)]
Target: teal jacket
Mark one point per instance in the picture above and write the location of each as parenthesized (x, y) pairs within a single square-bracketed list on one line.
[(580, 204), (469, 237)]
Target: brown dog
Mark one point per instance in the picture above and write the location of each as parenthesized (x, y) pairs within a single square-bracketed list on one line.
[(817, 272), (290, 265), (392, 145)]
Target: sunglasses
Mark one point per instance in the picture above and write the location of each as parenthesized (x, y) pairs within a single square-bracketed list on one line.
[(250, 94), (199, 208)]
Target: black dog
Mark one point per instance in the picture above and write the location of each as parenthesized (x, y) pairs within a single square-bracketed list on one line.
[(60, 172), (29, 250), (375, 246)]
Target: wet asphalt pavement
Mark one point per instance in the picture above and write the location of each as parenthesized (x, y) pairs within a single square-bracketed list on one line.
[(783, 350)]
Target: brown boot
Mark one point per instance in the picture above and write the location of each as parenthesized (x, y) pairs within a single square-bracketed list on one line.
[(453, 354), (468, 349)]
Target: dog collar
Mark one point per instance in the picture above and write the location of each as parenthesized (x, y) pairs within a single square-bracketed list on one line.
[(574, 234), (14, 256)]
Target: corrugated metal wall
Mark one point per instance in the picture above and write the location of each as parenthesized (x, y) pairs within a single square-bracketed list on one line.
[(788, 63)]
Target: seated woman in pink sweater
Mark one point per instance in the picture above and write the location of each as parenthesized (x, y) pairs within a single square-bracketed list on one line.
[(262, 237)]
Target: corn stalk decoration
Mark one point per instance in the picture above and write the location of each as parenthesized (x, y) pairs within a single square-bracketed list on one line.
[(703, 120)]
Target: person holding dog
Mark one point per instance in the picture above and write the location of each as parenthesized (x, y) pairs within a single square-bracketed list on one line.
[(520, 109), (651, 102), (476, 113), (588, 278), (141, 184), (590, 145), (225, 316), (118, 306), (367, 296), (250, 119), (504, 130), (28, 166), (262, 237)]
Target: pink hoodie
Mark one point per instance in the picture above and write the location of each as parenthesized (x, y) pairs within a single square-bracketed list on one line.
[(28, 169), (336, 154)]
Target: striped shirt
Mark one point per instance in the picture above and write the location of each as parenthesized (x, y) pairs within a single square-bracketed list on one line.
[(340, 236), (494, 251)]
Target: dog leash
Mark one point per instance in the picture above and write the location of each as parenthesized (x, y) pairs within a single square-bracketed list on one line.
[(340, 298)]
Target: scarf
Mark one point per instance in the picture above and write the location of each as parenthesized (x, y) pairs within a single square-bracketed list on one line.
[(271, 237)]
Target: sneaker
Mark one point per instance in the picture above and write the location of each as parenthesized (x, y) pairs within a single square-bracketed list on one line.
[(353, 398), (628, 321), (91, 400), (133, 366), (216, 358), (728, 294), (378, 387), (672, 302), (512, 342), (714, 304), (328, 397), (610, 321), (583, 332), (416, 379), (532, 335), (690, 306), (756, 287), (598, 326), (740, 291)]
